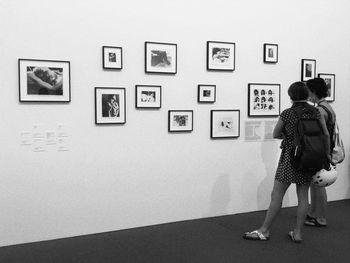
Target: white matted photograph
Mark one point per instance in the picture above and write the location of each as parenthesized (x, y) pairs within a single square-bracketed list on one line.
[(180, 120), (148, 96), (160, 57), (112, 57), (270, 53), (221, 56), (224, 123), (206, 93), (330, 82), (264, 100), (308, 69)]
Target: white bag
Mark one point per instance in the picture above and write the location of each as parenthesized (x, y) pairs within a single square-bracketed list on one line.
[(338, 153)]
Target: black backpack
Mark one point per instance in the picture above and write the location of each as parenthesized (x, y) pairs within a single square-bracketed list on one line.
[(310, 152)]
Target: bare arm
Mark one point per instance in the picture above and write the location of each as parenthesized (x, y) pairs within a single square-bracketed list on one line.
[(277, 131), (324, 127)]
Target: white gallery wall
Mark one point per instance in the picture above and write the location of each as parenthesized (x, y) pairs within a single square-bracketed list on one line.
[(106, 178)]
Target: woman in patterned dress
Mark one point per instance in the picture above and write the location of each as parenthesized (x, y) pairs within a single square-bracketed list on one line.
[(286, 173)]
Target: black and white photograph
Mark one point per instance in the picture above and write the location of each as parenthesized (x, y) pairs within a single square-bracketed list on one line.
[(44, 80), (160, 58), (148, 96), (270, 53), (225, 123), (110, 105), (330, 82), (263, 100), (180, 120), (308, 69), (221, 56), (206, 93), (112, 57)]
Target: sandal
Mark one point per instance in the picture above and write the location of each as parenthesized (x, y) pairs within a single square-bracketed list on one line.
[(291, 235), (312, 221), (255, 235)]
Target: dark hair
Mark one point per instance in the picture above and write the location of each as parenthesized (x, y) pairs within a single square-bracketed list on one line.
[(318, 86), (298, 91)]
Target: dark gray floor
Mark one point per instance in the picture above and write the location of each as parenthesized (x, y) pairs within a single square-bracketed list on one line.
[(212, 240)]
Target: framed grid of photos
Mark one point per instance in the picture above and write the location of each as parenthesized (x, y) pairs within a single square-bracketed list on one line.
[(148, 96), (44, 80), (206, 93), (308, 69), (264, 100), (110, 105), (224, 123), (112, 57), (180, 120), (270, 53), (330, 81), (160, 58), (220, 56)]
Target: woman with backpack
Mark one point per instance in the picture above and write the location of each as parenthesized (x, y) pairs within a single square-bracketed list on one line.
[(286, 173), (318, 90)]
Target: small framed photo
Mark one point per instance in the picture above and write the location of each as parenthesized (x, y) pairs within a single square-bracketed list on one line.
[(180, 120), (308, 69), (206, 93), (330, 81), (224, 123), (112, 57), (110, 105), (160, 58), (270, 53), (44, 80), (264, 100), (148, 96), (221, 56)]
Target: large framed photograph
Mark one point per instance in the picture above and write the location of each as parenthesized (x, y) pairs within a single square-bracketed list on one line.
[(110, 105), (264, 100), (270, 53), (160, 58), (206, 93), (44, 80), (180, 120), (330, 81), (148, 96), (224, 123), (221, 56), (308, 69), (112, 57)]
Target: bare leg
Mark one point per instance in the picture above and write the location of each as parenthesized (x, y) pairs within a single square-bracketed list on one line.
[(318, 207), (303, 204)]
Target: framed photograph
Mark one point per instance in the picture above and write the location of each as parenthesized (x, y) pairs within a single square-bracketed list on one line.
[(330, 81), (112, 57), (148, 96), (160, 58), (110, 105), (308, 69), (180, 120), (224, 123), (206, 93), (220, 56), (270, 53), (44, 80), (264, 100)]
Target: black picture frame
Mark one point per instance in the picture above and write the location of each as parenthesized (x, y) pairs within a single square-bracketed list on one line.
[(221, 56), (206, 93), (44, 80), (330, 82), (148, 96), (225, 123), (160, 57), (270, 53), (264, 100), (112, 57), (180, 120), (308, 69), (110, 105)]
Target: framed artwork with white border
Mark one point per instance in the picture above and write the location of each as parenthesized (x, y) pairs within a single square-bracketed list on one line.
[(264, 100), (112, 57), (224, 123), (206, 93), (270, 53), (44, 80), (330, 82), (308, 69), (221, 56), (180, 120), (110, 105), (160, 58), (148, 96)]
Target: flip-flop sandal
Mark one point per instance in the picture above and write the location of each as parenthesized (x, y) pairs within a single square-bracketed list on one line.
[(312, 221), (291, 235), (255, 235)]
